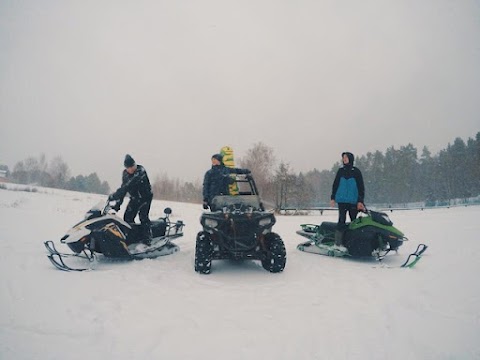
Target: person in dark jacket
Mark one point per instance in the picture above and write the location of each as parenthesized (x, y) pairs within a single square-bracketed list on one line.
[(135, 182), (348, 191), (217, 179)]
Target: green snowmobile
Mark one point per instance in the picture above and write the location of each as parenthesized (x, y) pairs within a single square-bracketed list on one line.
[(370, 235)]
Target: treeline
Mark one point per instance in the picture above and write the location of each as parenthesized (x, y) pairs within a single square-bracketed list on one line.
[(166, 188), (397, 176), (55, 174)]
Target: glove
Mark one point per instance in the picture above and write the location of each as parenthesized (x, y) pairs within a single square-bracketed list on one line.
[(205, 204), (116, 207)]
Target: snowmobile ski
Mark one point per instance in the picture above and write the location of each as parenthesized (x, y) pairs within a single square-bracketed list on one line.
[(411, 260), (59, 263), (57, 258), (414, 257)]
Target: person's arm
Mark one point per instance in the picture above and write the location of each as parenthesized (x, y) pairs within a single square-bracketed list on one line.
[(206, 190), (120, 193), (336, 182), (237, 171), (361, 190), (360, 186)]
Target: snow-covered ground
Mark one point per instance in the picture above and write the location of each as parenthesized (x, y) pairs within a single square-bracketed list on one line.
[(318, 308)]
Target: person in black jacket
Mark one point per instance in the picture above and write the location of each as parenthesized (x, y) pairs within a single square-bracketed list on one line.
[(136, 183), (348, 191), (217, 179)]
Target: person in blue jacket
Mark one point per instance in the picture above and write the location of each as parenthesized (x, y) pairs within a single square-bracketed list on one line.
[(348, 191)]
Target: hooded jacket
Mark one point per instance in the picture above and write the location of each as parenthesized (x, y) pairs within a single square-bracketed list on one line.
[(348, 186), (217, 179)]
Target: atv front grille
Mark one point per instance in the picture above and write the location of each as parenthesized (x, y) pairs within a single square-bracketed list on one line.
[(238, 233)]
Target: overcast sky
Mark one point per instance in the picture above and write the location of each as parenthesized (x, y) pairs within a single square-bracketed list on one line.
[(170, 82)]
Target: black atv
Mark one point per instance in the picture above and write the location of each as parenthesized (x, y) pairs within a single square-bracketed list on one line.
[(238, 227)]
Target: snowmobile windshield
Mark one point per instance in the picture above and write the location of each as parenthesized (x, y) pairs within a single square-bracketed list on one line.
[(96, 210), (381, 218)]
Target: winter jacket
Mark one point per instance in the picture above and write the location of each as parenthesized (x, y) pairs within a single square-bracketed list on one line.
[(136, 184), (348, 187), (216, 181)]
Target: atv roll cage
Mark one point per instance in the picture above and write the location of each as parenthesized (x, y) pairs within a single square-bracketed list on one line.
[(248, 198)]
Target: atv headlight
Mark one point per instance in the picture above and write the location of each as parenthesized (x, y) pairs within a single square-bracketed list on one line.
[(211, 223), (265, 221)]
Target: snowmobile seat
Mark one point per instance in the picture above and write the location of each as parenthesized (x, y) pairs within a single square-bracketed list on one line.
[(327, 230), (159, 227)]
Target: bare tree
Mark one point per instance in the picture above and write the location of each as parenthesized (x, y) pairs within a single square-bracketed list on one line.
[(165, 188), (261, 161), (59, 172), (284, 181), (31, 171)]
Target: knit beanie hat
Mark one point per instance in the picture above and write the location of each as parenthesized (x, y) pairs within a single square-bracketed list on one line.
[(128, 162), (219, 157)]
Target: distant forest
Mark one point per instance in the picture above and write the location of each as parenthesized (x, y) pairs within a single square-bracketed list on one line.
[(54, 174), (393, 177), (396, 176)]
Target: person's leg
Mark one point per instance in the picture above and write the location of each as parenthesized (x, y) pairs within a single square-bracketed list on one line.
[(341, 226), (131, 211), (143, 212), (352, 212), (342, 215)]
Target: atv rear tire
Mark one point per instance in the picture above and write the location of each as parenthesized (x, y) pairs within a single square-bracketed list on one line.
[(276, 253), (203, 253)]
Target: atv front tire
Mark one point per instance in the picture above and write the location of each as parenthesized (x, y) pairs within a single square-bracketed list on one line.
[(203, 253), (276, 255)]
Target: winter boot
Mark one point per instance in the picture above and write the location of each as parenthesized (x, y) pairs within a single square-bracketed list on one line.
[(339, 237), (339, 240), (147, 240)]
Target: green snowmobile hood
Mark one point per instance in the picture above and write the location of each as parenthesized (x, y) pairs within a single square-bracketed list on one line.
[(368, 221)]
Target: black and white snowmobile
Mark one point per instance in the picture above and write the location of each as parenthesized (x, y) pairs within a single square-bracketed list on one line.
[(371, 235), (103, 232)]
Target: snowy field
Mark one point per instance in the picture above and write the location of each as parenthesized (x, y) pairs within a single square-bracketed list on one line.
[(318, 308)]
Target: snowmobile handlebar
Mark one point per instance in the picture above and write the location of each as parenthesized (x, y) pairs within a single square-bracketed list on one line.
[(108, 206)]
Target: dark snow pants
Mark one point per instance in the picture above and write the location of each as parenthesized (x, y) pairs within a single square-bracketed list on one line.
[(343, 208), (140, 207)]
